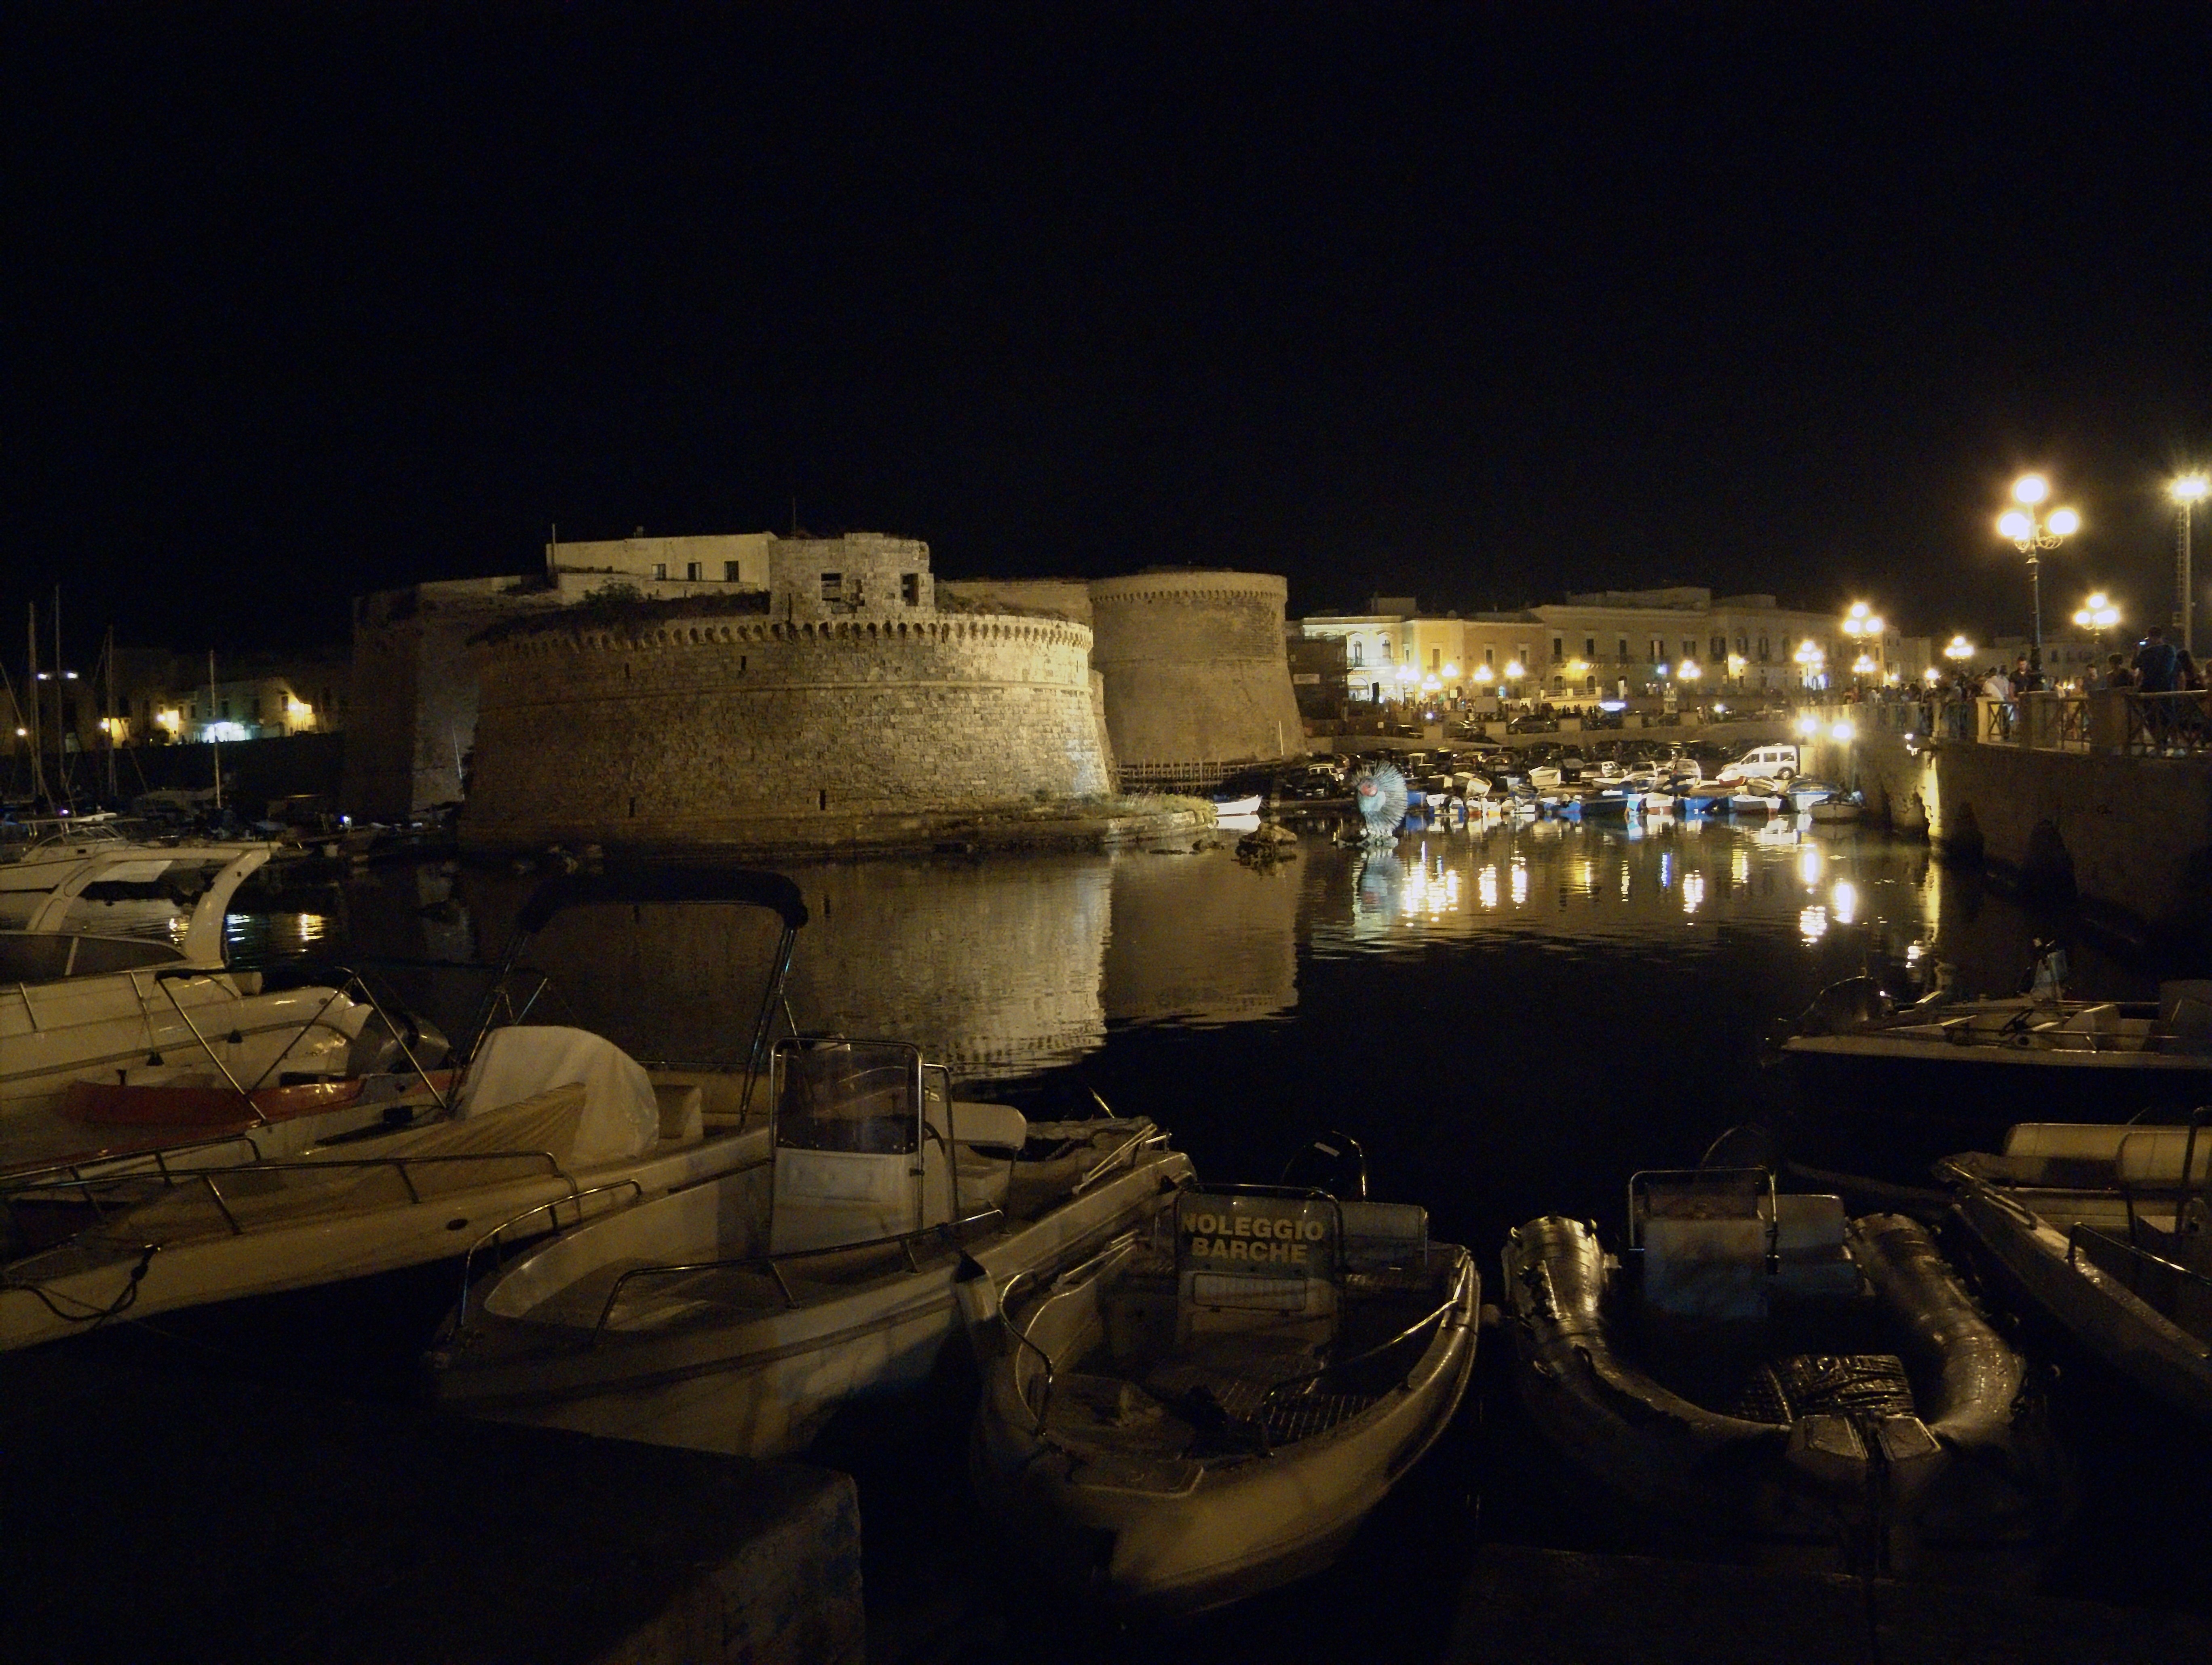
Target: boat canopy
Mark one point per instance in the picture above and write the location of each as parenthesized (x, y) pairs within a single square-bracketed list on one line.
[(622, 1116)]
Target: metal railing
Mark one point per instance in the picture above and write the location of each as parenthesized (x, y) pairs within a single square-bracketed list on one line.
[(2116, 721), (951, 1232)]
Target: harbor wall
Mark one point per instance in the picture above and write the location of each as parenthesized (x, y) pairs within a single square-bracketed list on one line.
[(2131, 835), (1198, 680), (686, 731)]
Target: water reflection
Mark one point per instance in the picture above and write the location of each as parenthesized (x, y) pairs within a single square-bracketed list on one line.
[(1011, 967)]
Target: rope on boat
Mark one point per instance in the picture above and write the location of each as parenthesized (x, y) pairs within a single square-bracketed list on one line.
[(124, 1299)]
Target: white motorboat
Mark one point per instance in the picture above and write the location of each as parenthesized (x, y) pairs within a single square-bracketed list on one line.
[(83, 1004), (38, 854), (548, 1125), (1758, 797), (2108, 1231), (1248, 804), (1759, 1365), (1209, 1406), (737, 1317)]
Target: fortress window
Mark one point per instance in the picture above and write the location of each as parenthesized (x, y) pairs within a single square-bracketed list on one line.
[(833, 586), (910, 589), (729, 572), (660, 569), (693, 570)]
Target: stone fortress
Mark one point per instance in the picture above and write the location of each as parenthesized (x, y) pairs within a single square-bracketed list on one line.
[(805, 693)]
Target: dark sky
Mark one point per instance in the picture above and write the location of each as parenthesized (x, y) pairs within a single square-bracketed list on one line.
[(1480, 303)]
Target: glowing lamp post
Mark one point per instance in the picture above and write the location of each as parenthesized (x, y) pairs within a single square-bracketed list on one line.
[(2097, 613), (1862, 625), (2188, 492), (1811, 662), (1957, 651), (2032, 532)]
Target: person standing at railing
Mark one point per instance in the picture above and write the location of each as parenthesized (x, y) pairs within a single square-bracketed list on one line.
[(2189, 713), (1996, 688), (2115, 673), (2156, 664)]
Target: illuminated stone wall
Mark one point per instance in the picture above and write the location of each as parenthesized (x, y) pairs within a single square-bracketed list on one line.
[(1197, 678), (694, 731)]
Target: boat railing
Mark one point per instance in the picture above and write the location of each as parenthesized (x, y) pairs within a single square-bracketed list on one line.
[(950, 1232), (1139, 1137), (208, 1179), (1435, 1315), (1074, 1278), (552, 1209), (2137, 1266)]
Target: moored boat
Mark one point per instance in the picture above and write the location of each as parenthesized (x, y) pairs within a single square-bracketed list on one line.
[(2107, 1231), (1756, 1365), (548, 1125), (738, 1316), (1209, 1406)]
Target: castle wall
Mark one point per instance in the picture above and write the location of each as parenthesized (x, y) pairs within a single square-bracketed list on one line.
[(1197, 679), (412, 710), (713, 729), (1058, 598)]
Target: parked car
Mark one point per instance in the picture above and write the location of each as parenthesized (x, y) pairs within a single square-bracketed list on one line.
[(1534, 722)]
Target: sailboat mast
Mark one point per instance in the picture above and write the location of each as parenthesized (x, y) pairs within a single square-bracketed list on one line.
[(214, 746), (61, 711), (107, 709), (31, 687)]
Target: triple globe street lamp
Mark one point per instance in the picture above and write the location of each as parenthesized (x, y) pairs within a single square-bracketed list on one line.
[(2032, 532), (1862, 624)]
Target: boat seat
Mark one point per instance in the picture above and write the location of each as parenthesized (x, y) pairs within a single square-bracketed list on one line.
[(683, 1108), (1378, 1235), (1704, 1251), (1810, 1258), (2098, 1142), (2152, 1157)]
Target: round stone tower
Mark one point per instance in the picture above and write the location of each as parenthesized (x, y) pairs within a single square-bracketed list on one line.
[(675, 725), (1197, 678)]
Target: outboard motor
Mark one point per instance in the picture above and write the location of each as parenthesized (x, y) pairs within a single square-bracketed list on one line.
[(1335, 1163)]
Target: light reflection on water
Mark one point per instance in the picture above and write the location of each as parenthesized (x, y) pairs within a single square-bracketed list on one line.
[(1006, 969)]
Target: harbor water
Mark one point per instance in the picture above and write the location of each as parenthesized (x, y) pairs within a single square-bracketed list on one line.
[(1511, 1019)]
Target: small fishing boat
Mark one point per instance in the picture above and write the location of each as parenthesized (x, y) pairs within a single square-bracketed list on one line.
[(2107, 1231), (738, 1316), (1757, 1365), (1977, 1061), (1758, 797), (1247, 805), (1209, 1406), (1836, 810)]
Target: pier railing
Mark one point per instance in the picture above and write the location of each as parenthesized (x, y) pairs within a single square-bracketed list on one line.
[(2118, 721)]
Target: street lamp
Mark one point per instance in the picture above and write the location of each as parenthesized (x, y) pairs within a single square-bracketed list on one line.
[(1810, 660), (2032, 532), (2188, 492), (1957, 651), (1860, 623), (2097, 613)]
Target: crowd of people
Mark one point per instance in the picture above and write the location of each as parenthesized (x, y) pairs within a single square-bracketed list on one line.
[(2156, 667)]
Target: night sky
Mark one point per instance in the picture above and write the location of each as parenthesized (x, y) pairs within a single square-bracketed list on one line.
[(1478, 303)]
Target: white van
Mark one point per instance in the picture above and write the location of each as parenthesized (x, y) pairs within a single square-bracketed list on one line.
[(1776, 762)]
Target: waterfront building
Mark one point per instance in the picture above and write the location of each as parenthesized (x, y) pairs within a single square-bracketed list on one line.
[(1678, 642)]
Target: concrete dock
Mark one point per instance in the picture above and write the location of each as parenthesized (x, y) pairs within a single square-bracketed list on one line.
[(1568, 1609), (159, 1515)]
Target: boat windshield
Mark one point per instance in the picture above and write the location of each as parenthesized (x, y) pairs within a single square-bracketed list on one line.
[(861, 1097), (51, 956)]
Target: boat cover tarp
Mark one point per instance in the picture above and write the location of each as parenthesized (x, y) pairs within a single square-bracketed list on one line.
[(622, 1117), (513, 1143)]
